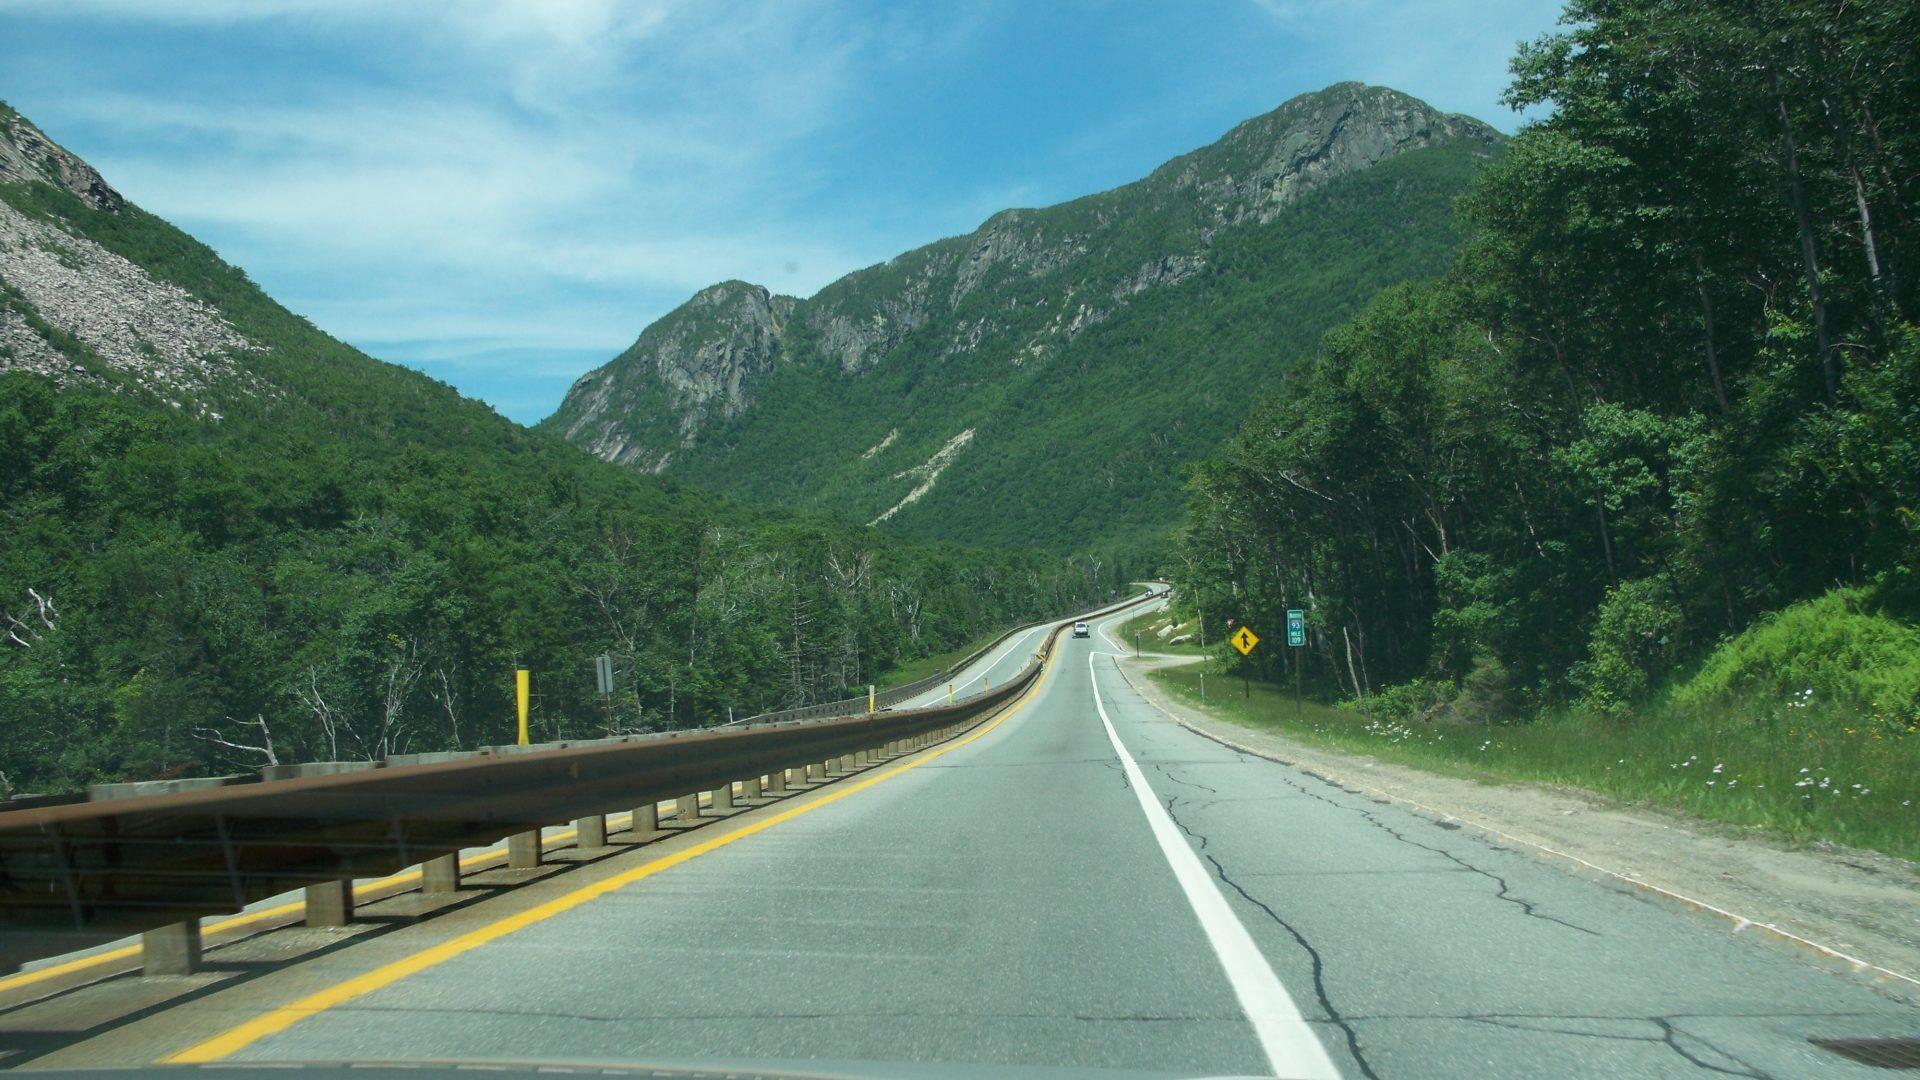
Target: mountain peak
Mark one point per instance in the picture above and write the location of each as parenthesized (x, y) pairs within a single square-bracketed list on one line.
[(1267, 162), (914, 390), (27, 155)]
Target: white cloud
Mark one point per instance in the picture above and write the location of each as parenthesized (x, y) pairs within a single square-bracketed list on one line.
[(465, 181), (547, 145)]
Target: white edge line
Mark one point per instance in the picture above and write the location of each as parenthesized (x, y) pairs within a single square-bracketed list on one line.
[(1292, 1049), (1740, 922)]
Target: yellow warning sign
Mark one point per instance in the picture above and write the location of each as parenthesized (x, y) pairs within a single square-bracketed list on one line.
[(1245, 640)]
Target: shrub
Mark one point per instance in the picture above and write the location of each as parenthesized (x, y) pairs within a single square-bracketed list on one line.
[(1632, 643), (1836, 648)]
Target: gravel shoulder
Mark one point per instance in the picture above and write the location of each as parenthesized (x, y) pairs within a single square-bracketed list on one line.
[(1862, 905)]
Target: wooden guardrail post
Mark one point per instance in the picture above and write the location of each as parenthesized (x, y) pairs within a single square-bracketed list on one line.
[(777, 782), (722, 799), (686, 808), (441, 875), (750, 788), (646, 819), (523, 850), (330, 903), (171, 950), (590, 832)]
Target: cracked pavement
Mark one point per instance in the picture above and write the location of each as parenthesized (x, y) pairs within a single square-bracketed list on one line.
[(1007, 908)]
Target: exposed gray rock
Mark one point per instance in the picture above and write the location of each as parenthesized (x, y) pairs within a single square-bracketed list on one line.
[(1270, 161), (26, 154), (701, 359), (153, 331)]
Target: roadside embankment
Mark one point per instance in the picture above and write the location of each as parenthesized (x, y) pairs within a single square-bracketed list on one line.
[(1852, 908)]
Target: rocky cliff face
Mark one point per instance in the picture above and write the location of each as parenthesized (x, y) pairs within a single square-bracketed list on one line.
[(701, 363), (1270, 161), (696, 364), (74, 311), (26, 155)]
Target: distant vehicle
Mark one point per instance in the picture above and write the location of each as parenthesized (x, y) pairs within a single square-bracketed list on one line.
[(1080, 630)]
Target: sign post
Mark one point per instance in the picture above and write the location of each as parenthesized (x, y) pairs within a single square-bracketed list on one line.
[(520, 693), (603, 674), (1296, 637), (1245, 640)]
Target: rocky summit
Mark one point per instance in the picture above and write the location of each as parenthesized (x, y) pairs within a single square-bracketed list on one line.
[(1192, 288)]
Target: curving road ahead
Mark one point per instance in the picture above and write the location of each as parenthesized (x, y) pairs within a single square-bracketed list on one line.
[(1082, 885)]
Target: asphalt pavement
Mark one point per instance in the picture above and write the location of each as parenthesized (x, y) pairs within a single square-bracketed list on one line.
[(1088, 885)]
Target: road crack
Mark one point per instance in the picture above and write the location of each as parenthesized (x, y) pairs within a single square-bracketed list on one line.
[(1168, 773), (1351, 1036), (1502, 890), (1666, 1034)]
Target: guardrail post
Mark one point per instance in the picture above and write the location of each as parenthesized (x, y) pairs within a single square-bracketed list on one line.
[(687, 807), (846, 763), (330, 903), (646, 819), (816, 771), (777, 782), (523, 850), (723, 798), (590, 832), (171, 950), (750, 788), (441, 875)]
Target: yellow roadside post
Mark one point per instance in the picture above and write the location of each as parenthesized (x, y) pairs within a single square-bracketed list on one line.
[(869, 699), (520, 693)]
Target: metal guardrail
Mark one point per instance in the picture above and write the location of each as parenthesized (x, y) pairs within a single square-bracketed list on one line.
[(77, 875), (888, 698)]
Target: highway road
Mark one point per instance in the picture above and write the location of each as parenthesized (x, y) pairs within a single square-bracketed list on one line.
[(1083, 884), (999, 666)]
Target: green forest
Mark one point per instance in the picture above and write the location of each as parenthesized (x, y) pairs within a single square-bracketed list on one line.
[(338, 558), (1654, 438)]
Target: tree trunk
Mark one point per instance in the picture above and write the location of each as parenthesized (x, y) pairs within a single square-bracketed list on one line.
[(1707, 322), (1809, 252), (1606, 539)]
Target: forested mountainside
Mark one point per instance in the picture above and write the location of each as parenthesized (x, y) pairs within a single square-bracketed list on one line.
[(226, 538), (1670, 387), (1043, 380)]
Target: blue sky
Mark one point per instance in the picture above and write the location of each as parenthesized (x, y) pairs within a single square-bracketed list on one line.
[(502, 193)]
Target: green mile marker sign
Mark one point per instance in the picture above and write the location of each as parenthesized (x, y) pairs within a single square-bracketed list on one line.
[(1296, 627)]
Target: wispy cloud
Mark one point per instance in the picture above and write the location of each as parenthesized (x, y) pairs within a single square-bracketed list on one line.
[(498, 188)]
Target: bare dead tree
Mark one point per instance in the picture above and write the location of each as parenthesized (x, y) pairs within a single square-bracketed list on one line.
[(323, 713), (442, 691), (42, 611), (264, 749), (402, 674)]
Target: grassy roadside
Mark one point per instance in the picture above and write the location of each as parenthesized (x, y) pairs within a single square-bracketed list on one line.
[(913, 670), (1790, 769), (1149, 627)]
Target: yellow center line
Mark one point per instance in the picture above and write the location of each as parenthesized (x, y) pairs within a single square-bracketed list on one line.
[(280, 1019)]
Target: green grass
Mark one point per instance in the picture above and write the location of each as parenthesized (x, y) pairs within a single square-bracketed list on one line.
[(1803, 772), (1148, 626)]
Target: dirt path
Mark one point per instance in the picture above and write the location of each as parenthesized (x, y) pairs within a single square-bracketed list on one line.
[(1853, 910)]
